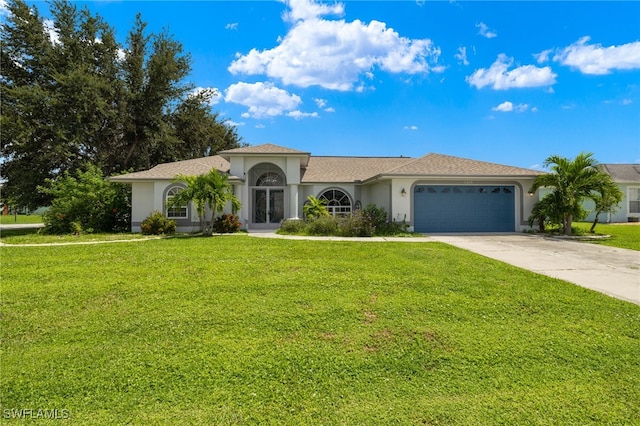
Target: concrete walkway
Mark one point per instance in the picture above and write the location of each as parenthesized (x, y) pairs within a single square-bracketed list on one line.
[(609, 270)]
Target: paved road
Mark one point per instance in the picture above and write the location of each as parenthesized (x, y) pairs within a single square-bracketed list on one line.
[(609, 270)]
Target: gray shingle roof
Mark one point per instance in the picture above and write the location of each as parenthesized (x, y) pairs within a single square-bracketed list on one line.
[(349, 169), (446, 165), (623, 173), (337, 169), (267, 148), (169, 171)]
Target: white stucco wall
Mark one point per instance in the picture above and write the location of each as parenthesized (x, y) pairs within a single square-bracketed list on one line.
[(142, 194)]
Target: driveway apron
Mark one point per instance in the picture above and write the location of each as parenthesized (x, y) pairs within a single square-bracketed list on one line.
[(609, 270)]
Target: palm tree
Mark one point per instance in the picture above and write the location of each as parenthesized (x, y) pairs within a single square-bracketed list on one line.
[(208, 190), (315, 208), (607, 197), (571, 182)]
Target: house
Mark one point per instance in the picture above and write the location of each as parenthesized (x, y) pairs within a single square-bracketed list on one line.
[(627, 176), (434, 193)]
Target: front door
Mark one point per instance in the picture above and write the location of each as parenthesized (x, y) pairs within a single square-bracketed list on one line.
[(268, 205)]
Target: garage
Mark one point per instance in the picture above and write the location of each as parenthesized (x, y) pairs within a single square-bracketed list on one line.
[(464, 208)]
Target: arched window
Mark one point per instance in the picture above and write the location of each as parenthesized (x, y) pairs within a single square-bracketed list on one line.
[(266, 174), (338, 202), (175, 212), (270, 179)]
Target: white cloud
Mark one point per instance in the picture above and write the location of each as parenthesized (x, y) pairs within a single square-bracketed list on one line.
[(410, 127), (298, 115), (231, 26), (320, 102), (595, 59), (335, 54), (234, 123), (543, 56), (499, 78), (509, 107), (503, 107), (262, 99), (461, 56), (626, 102), (260, 126), (212, 92), (301, 10), (4, 10), (484, 31)]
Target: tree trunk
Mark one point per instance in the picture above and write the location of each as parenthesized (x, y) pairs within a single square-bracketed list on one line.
[(593, 225), (567, 224)]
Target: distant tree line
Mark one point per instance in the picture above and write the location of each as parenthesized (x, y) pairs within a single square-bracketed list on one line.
[(74, 97)]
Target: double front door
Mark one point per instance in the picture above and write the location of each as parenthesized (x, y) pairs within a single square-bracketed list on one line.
[(268, 205)]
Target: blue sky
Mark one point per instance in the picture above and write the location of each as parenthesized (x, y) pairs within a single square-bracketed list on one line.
[(506, 82)]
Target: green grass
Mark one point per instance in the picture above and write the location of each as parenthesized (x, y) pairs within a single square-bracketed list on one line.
[(20, 219), (241, 330), (622, 235), (32, 236)]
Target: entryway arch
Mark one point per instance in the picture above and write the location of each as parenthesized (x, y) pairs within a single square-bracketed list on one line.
[(268, 196)]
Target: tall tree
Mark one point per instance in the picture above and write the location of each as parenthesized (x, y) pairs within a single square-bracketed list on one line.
[(72, 96), (571, 182)]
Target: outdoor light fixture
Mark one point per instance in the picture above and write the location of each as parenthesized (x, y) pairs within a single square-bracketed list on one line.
[(530, 194), (403, 192)]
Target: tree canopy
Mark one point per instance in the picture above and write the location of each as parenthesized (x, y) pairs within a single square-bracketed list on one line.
[(72, 95)]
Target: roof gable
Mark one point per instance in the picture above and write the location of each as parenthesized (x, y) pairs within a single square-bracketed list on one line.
[(267, 148), (446, 165), (623, 173)]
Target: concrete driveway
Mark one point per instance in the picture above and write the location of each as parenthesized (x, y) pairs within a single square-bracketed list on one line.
[(609, 270)]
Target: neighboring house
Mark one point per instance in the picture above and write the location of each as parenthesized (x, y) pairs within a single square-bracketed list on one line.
[(434, 193), (627, 176)]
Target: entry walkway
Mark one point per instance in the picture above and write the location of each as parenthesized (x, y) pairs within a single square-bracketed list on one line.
[(609, 270)]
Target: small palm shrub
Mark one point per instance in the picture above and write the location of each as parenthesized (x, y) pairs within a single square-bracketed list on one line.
[(226, 224), (157, 224)]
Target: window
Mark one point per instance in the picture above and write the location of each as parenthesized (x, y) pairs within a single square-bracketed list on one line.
[(270, 179), (338, 203), (634, 199), (175, 212)]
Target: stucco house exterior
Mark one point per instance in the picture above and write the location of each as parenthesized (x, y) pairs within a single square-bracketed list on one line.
[(433, 193), (627, 176)]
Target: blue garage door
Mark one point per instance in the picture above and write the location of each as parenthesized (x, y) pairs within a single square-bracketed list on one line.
[(449, 208)]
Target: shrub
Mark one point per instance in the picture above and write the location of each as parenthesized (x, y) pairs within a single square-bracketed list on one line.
[(325, 225), (226, 224), (157, 224), (293, 226), (377, 216), (359, 224), (86, 203)]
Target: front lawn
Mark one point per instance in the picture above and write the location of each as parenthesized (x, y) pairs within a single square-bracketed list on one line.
[(242, 330), (622, 235), (20, 219)]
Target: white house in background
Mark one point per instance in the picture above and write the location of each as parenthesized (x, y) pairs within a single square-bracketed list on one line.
[(627, 176), (434, 193)]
